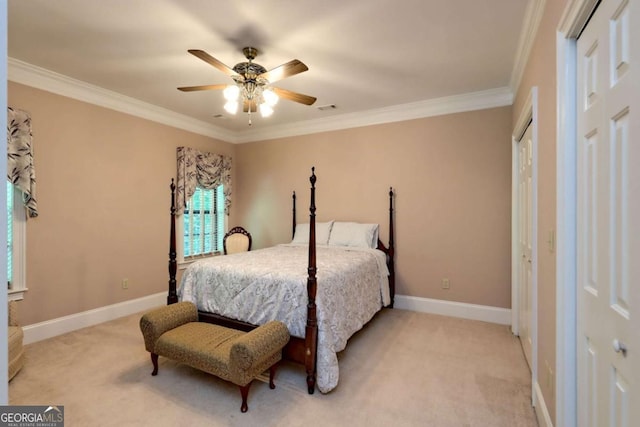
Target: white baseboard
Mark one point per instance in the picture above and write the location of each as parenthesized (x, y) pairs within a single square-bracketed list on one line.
[(544, 419), (454, 309), (62, 325)]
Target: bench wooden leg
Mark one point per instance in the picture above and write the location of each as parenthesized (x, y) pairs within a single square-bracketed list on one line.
[(272, 374), (244, 391), (154, 360)]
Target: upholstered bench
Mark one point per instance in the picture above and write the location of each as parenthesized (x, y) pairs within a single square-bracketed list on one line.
[(236, 356)]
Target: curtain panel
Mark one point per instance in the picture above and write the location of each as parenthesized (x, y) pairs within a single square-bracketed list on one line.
[(20, 167), (208, 170)]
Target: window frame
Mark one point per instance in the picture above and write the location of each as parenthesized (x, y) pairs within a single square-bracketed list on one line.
[(19, 246)]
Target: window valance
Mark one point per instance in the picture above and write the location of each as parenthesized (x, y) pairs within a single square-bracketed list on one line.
[(20, 168), (200, 168)]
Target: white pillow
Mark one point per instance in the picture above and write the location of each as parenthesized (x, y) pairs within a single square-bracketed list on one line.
[(323, 229), (354, 234)]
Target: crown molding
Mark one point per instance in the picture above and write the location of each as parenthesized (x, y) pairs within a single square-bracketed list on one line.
[(40, 78), (491, 98), (530, 25), (575, 17)]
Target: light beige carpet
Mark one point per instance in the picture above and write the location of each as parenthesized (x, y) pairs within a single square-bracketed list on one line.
[(402, 369)]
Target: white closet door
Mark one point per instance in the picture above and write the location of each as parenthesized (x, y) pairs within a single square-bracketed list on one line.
[(608, 217), (525, 231)]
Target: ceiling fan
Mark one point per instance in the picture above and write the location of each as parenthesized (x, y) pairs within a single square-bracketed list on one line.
[(252, 83)]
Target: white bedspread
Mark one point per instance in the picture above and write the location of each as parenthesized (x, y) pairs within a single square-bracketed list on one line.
[(271, 284)]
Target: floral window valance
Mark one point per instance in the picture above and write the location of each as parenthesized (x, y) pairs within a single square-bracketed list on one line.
[(199, 168), (20, 168)]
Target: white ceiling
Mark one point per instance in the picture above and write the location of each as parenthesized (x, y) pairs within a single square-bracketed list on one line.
[(364, 56)]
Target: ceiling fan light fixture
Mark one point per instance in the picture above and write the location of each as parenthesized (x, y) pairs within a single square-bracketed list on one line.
[(265, 110), (270, 97), (231, 93), (249, 90), (231, 107)]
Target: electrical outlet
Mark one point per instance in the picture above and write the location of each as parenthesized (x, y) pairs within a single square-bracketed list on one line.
[(125, 283), (445, 283)]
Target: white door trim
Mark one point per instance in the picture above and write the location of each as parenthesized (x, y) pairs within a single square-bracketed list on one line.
[(4, 334), (529, 114), (573, 20)]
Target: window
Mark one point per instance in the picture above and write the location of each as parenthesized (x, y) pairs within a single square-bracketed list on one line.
[(16, 243), (203, 223)]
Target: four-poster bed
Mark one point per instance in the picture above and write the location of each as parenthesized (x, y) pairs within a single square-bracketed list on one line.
[(364, 267)]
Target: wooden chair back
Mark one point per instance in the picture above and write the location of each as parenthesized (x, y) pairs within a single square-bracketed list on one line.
[(237, 240)]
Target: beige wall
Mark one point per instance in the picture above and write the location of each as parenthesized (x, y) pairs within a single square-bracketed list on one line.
[(452, 177), (103, 197), (541, 73)]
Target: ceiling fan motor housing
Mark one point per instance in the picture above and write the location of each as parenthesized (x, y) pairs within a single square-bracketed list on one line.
[(249, 69)]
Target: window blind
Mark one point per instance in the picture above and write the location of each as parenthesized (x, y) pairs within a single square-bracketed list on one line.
[(204, 222)]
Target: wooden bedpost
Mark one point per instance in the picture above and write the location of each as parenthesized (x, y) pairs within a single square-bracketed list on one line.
[(293, 231), (172, 298), (311, 335), (390, 253)]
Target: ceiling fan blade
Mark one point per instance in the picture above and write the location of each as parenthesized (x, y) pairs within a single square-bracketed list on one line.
[(294, 96), (212, 61), (248, 104), (204, 87), (289, 69)]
